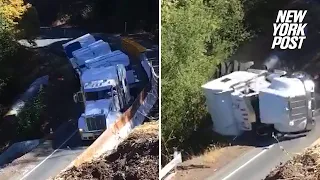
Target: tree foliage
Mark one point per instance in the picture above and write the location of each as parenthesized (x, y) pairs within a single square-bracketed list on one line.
[(30, 115), (11, 11), (196, 35)]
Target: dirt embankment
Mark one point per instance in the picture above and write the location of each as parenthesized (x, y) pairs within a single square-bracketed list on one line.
[(135, 158), (303, 166)]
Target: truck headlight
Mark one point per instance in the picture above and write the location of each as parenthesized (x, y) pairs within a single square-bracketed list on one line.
[(80, 130)]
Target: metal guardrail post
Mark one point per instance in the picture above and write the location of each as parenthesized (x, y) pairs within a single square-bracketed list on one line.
[(164, 172)]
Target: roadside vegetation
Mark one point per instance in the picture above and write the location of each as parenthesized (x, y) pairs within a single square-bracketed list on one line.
[(196, 36), (18, 20), (12, 14), (29, 119)]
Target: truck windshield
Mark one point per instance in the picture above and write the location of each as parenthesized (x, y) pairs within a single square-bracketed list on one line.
[(104, 94)]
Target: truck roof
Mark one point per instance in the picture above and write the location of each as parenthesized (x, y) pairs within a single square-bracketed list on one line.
[(95, 74), (115, 57), (93, 50), (226, 82), (84, 40)]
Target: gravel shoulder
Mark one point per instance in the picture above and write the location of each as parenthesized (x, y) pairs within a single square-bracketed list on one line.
[(203, 166)]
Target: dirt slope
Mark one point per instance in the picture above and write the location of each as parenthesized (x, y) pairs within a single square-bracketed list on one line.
[(135, 158), (303, 166)]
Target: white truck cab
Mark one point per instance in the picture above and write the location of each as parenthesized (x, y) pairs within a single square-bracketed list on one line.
[(104, 93)]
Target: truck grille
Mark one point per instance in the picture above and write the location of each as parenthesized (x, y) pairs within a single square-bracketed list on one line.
[(298, 108), (96, 123)]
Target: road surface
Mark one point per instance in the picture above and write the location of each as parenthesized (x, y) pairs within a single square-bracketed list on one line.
[(49, 158), (257, 163), (69, 146)]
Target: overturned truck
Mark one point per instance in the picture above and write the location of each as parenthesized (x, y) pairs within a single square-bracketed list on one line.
[(269, 102)]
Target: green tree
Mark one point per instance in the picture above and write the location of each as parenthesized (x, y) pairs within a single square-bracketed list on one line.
[(196, 35), (11, 11)]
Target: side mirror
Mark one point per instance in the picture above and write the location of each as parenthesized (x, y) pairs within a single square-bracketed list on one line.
[(77, 97), (80, 97), (111, 107)]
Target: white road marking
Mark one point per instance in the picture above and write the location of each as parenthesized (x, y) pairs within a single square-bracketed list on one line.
[(252, 159), (49, 155)]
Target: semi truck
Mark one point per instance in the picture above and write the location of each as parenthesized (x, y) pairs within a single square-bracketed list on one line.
[(104, 90), (267, 101)]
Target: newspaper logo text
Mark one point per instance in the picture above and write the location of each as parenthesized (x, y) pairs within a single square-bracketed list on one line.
[(289, 31)]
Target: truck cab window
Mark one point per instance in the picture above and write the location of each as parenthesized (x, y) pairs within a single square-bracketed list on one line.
[(103, 94), (92, 96)]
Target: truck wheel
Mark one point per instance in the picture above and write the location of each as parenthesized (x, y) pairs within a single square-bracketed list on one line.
[(227, 67), (263, 131), (310, 125)]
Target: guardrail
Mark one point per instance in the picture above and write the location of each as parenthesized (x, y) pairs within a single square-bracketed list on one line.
[(164, 172), (131, 47)]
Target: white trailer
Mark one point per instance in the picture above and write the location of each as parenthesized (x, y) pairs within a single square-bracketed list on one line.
[(96, 49), (85, 52)]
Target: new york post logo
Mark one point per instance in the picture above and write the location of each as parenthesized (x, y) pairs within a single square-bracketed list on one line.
[(289, 29)]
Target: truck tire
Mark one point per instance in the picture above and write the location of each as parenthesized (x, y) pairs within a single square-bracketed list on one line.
[(227, 67), (310, 125)]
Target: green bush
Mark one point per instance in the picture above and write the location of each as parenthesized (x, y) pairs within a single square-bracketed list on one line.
[(195, 37), (7, 49), (7, 46), (29, 117)]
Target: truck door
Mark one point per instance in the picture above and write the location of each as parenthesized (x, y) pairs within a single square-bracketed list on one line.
[(123, 83), (116, 99)]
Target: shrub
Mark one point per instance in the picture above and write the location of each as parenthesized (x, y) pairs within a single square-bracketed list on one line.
[(195, 37), (11, 11), (29, 117), (7, 48)]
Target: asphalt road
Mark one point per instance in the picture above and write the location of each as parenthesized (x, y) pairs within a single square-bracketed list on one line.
[(64, 148), (49, 158), (257, 163)]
